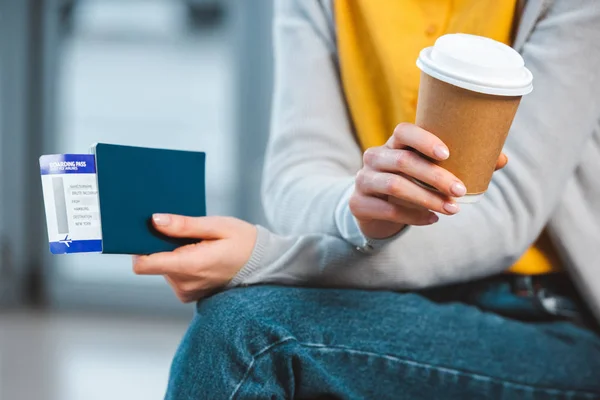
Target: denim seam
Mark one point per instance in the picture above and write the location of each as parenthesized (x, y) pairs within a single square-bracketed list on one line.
[(254, 358), (454, 371), (405, 361)]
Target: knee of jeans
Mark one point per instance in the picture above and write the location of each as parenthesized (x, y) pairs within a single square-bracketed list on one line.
[(234, 317), (244, 311), (228, 330)]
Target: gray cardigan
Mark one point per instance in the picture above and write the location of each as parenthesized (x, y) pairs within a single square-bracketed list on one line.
[(552, 178)]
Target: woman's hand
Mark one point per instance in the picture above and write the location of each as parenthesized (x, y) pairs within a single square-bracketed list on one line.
[(386, 199), (197, 270)]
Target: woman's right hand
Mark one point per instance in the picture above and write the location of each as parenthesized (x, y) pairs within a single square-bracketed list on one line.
[(386, 199)]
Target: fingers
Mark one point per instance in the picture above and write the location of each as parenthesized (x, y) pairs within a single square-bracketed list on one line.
[(414, 165), (378, 183), (410, 135), (162, 263), (157, 264), (185, 296), (192, 227), (186, 291), (502, 161), (369, 207)]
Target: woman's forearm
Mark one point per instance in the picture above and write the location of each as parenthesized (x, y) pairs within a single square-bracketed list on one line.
[(312, 155), (329, 261), (320, 260)]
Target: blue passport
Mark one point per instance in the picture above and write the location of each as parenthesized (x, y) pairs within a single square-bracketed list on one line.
[(134, 183)]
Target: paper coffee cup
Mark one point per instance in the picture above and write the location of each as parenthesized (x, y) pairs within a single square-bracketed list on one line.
[(469, 93)]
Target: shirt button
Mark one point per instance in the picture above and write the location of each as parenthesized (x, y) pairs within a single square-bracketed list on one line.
[(431, 30)]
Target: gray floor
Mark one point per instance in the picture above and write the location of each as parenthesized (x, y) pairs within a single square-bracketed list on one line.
[(85, 357)]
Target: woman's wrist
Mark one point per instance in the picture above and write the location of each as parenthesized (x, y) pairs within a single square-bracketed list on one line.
[(379, 230), (256, 258), (350, 229)]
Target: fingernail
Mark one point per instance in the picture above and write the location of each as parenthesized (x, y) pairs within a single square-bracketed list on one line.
[(433, 219), (161, 219), (134, 259), (452, 208), (458, 189), (441, 152)]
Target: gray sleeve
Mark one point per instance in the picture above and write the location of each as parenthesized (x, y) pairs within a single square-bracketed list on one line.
[(315, 260), (313, 157)]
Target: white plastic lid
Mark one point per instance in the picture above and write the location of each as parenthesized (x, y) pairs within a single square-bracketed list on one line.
[(477, 63)]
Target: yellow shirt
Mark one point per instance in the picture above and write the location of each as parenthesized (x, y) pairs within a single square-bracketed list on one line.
[(378, 44)]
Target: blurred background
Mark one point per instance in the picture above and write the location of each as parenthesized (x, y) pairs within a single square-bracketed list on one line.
[(182, 74)]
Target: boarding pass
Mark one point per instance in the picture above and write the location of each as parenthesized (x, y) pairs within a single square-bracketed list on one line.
[(70, 189)]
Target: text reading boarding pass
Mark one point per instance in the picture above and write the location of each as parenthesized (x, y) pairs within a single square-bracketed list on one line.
[(71, 201)]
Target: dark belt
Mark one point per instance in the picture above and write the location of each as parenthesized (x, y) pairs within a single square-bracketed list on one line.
[(531, 298), (553, 293)]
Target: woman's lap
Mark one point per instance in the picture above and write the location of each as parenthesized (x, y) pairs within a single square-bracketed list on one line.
[(265, 341)]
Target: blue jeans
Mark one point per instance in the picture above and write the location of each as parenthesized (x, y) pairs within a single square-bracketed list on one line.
[(269, 342)]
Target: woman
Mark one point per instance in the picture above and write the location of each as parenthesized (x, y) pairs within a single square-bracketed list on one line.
[(468, 329)]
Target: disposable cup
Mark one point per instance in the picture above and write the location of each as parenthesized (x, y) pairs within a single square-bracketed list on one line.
[(469, 93)]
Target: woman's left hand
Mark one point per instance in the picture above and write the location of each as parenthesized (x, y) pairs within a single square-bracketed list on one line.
[(197, 270)]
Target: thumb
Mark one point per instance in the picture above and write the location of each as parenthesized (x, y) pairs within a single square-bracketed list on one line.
[(191, 227), (502, 161)]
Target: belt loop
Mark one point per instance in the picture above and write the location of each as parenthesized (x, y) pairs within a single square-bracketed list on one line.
[(523, 286)]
